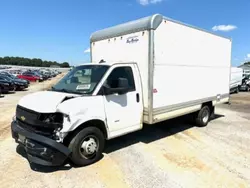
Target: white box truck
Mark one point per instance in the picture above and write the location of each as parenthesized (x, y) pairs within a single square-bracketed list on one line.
[(145, 71), (236, 79)]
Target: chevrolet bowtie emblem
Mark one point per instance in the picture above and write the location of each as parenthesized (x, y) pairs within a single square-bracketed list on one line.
[(22, 118)]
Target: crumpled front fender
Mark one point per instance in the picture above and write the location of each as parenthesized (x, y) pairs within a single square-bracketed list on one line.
[(80, 110)]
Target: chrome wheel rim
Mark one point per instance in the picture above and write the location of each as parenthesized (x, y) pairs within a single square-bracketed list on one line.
[(205, 116)]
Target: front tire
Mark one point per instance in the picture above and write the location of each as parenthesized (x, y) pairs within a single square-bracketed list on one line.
[(87, 146), (203, 116), (248, 88), (237, 90)]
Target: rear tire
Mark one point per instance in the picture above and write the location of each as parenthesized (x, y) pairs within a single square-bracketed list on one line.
[(203, 116), (87, 146)]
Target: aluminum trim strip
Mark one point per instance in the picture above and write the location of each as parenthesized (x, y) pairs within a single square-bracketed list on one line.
[(170, 108), (147, 23)]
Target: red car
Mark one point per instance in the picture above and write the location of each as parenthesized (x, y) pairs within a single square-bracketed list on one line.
[(29, 76)]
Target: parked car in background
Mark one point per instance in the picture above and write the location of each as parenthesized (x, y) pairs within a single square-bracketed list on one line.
[(37, 73), (30, 76), (1, 92), (19, 84), (14, 77), (6, 85), (245, 84), (15, 72), (46, 73), (236, 79)]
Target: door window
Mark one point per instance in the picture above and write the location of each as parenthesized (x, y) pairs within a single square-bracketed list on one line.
[(121, 72)]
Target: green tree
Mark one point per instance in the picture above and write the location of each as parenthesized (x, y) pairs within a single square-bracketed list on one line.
[(65, 65), (21, 61)]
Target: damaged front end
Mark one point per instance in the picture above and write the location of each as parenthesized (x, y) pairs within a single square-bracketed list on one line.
[(38, 133)]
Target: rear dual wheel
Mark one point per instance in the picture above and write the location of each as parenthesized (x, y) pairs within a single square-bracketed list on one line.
[(203, 116)]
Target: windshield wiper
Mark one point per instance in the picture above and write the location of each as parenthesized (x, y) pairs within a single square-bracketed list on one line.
[(64, 90)]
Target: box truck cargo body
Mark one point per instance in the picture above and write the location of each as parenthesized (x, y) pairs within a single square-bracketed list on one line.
[(144, 71), (236, 79), (181, 66)]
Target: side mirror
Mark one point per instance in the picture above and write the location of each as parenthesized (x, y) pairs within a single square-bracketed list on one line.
[(122, 87)]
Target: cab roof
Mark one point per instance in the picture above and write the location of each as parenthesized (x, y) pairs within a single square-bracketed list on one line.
[(105, 63)]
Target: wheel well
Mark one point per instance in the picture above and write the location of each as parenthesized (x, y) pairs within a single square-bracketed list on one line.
[(92, 123), (210, 105)]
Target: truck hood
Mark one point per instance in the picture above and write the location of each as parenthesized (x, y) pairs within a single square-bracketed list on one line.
[(72, 106), (44, 101)]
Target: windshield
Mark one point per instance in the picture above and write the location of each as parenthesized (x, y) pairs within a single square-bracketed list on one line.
[(5, 78), (82, 79)]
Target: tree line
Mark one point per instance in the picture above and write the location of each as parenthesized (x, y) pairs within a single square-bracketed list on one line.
[(35, 62)]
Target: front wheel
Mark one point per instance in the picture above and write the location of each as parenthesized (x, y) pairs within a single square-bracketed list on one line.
[(203, 116), (87, 146), (237, 90), (248, 88)]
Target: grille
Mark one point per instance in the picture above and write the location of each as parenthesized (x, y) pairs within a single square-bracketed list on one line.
[(26, 115), (29, 120), (45, 131)]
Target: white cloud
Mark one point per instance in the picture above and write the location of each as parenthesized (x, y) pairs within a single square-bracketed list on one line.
[(87, 50), (224, 27), (247, 58), (147, 2)]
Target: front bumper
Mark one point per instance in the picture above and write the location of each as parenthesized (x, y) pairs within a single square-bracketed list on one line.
[(244, 87), (21, 86), (40, 149), (5, 88), (12, 87)]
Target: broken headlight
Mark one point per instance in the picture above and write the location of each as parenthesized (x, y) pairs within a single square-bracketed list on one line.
[(51, 118)]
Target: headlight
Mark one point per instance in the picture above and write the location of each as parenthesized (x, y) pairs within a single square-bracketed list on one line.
[(67, 117), (6, 84), (51, 118)]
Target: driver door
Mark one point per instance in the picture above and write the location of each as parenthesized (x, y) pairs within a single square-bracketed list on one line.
[(123, 111)]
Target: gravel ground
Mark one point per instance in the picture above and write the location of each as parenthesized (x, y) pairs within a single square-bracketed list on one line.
[(170, 154)]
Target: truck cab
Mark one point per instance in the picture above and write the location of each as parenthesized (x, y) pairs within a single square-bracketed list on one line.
[(92, 103)]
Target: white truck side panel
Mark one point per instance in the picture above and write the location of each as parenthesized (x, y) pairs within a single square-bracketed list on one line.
[(123, 49), (189, 65), (236, 77)]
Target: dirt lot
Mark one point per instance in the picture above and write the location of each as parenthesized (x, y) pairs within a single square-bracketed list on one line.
[(171, 154)]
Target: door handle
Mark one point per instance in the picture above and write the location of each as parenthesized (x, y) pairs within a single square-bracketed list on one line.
[(137, 97)]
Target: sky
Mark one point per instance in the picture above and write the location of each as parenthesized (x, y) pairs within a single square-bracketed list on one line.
[(59, 30)]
